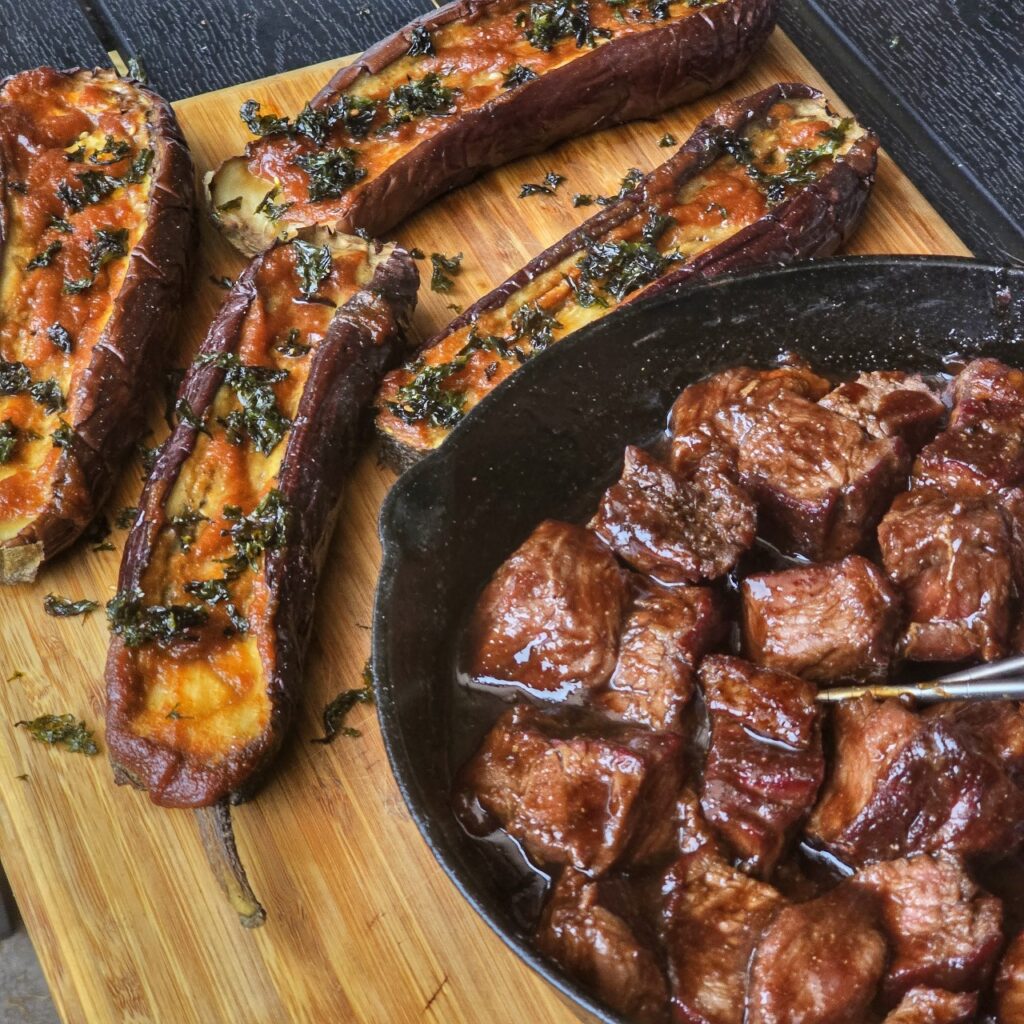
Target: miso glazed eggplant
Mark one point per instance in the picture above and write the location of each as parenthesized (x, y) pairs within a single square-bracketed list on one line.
[(215, 599), (96, 225), (769, 179), (470, 87)]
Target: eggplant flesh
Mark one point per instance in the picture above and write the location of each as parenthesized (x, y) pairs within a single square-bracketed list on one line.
[(469, 87), (769, 179), (97, 222), (215, 600)]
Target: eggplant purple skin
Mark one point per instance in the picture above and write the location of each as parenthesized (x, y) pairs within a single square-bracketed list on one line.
[(365, 339), (113, 396), (815, 221), (634, 77)]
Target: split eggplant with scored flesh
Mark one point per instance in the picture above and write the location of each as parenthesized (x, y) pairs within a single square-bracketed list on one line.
[(97, 214), (772, 178), (470, 87), (215, 601)]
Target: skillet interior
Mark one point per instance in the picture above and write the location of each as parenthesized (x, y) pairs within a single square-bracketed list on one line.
[(549, 441)]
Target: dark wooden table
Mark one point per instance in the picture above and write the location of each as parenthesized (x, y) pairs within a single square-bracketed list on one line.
[(941, 80)]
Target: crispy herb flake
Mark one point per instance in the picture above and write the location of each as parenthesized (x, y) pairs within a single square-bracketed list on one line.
[(184, 411), (60, 224), (259, 418), (8, 440), (45, 258), (61, 730), (48, 394), (274, 211), (63, 608), (61, 337), (111, 152), (547, 187), (546, 23), (622, 267), (668, 139), (262, 124), (214, 592), (140, 167), (185, 526), (149, 454), (331, 173), (126, 517), (107, 244), (78, 285), (14, 378), (518, 75), (63, 437), (423, 97), (291, 346), (263, 529), (313, 266), (535, 325), (93, 187), (582, 199), (440, 281), (424, 397), (421, 43), (337, 711), (137, 624)]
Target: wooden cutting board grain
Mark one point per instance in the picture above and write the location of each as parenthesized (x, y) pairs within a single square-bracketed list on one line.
[(362, 925)]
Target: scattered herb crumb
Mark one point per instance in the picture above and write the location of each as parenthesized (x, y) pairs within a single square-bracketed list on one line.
[(63, 608), (547, 187), (440, 281), (582, 199), (61, 730), (417, 254), (454, 307), (16, 674), (338, 709), (126, 517), (668, 139)]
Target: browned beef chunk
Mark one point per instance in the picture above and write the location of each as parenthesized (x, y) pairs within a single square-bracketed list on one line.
[(666, 634), (679, 526), (888, 403), (987, 389), (998, 723), (973, 459), (1010, 984), (951, 557), (822, 622), (588, 927), (817, 963), (820, 483), (550, 617), (933, 1006), (944, 932), (572, 797), (712, 417), (903, 784), (713, 915), (765, 761)]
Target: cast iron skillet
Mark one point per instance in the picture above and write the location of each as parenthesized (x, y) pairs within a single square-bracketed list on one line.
[(548, 442)]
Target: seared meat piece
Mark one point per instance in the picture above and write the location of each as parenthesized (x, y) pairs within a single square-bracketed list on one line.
[(765, 761), (933, 1006), (667, 632), (574, 797), (944, 932), (1010, 984), (888, 403), (713, 915), (817, 963), (951, 557), (679, 526), (973, 459), (587, 928), (903, 784), (998, 723), (820, 483), (987, 389), (713, 416), (551, 615), (822, 622)]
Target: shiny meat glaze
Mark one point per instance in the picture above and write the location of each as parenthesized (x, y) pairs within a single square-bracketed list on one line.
[(723, 848)]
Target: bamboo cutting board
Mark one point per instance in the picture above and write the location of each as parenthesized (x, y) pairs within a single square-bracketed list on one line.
[(362, 924)]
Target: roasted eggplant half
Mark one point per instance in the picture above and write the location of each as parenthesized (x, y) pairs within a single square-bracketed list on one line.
[(772, 178), (215, 599), (472, 86), (97, 214)]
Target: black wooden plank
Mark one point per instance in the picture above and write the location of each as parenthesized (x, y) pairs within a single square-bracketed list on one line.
[(193, 46), (960, 65), (47, 32)]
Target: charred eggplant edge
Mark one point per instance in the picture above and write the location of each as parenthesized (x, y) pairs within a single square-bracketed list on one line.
[(622, 80), (113, 393), (815, 221), (343, 377)]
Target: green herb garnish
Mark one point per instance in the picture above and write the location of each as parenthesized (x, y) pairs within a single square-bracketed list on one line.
[(44, 258), (331, 173), (668, 139), (262, 124), (274, 211), (424, 97), (443, 266), (113, 151), (547, 187), (61, 730), (337, 711), (622, 267), (48, 394), (63, 608), (93, 187), (136, 624), (78, 285), (185, 525), (421, 43), (546, 23), (313, 266), (518, 75), (107, 244), (126, 517), (8, 440), (291, 346), (263, 529), (61, 337)]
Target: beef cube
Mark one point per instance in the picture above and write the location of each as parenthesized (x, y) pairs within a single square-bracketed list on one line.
[(888, 403), (822, 622), (904, 784), (987, 389), (999, 724), (679, 526), (944, 932), (765, 761), (667, 632), (550, 617), (712, 917), (977, 459), (572, 796), (817, 963), (951, 558), (933, 1006), (820, 483), (587, 927), (1010, 984), (711, 417)]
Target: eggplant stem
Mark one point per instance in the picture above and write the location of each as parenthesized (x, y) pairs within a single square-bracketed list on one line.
[(218, 836)]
